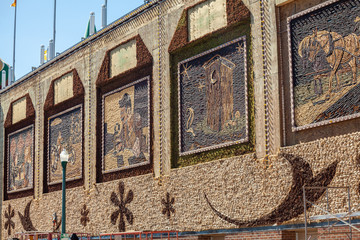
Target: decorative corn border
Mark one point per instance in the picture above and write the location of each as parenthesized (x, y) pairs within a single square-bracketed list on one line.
[(89, 124), (265, 35), (39, 100), (161, 35)]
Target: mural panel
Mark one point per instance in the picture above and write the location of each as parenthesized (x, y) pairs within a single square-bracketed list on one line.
[(63, 88), (123, 58), (213, 98), (324, 64), (20, 159), (126, 127), (19, 110), (65, 132), (206, 17)]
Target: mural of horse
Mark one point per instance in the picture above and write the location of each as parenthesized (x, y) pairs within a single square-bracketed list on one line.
[(338, 49)]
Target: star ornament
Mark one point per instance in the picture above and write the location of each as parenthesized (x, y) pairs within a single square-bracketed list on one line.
[(122, 211), (84, 216), (201, 86), (9, 223), (186, 69), (240, 48)]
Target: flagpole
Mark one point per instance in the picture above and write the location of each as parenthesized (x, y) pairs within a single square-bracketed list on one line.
[(13, 75), (54, 26)]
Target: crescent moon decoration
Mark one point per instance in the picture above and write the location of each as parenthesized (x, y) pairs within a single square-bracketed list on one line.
[(25, 219), (357, 160), (292, 206), (57, 225)]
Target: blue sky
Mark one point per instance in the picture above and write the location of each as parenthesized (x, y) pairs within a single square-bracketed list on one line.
[(35, 26)]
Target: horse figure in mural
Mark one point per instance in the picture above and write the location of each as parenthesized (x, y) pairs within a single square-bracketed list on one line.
[(338, 49)]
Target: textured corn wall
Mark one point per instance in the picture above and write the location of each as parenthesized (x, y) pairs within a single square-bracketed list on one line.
[(240, 188)]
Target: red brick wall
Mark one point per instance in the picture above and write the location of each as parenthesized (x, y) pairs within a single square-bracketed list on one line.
[(273, 235), (287, 235), (338, 233)]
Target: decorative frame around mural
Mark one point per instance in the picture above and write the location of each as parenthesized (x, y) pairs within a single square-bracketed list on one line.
[(147, 79), (9, 128), (32, 155), (245, 79), (48, 142), (236, 12), (105, 84), (292, 75), (50, 109)]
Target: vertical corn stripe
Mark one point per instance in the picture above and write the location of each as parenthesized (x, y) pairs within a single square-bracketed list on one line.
[(90, 129), (264, 13), (159, 34), (38, 115)]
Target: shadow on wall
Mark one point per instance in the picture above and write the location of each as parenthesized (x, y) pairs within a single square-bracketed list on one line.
[(292, 206)]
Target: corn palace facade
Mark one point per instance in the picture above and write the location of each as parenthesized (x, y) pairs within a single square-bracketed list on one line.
[(220, 119)]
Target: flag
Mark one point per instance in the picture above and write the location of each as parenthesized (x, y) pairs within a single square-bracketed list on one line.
[(14, 4), (45, 55)]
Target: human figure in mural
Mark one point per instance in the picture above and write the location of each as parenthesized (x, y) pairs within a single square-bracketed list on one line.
[(129, 142), (317, 79), (14, 171), (20, 162), (20, 170), (61, 143), (55, 151), (75, 130), (27, 166)]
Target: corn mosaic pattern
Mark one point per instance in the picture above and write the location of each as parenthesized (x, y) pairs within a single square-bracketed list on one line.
[(65, 132), (324, 63), (21, 159), (126, 126), (213, 98)]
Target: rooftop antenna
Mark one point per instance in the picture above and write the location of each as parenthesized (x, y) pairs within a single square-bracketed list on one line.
[(51, 51), (104, 15), (12, 79), (3, 79), (42, 54)]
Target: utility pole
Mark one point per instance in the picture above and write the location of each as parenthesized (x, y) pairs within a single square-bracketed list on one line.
[(54, 33), (13, 67)]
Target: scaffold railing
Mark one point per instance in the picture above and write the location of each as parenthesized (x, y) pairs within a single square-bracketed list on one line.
[(37, 235), (141, 235), (344, 218)]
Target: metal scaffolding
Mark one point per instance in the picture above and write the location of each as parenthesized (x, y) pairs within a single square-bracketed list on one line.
[(344, 218), (36, 235), (143, 235)]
